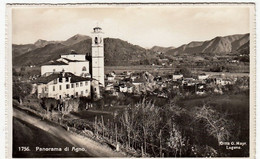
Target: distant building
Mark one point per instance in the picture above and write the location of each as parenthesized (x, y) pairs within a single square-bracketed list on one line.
[(202, 76), (223, 81), (176, 77), (109, 87), (127, 87), (110, 77), (139, 84)]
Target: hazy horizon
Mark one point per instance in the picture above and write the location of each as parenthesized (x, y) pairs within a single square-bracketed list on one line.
[(164, 26)]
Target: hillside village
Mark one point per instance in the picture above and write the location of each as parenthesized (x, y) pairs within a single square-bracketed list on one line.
[(138, 110), (145, 83)]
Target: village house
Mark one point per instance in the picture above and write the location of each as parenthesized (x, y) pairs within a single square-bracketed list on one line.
[(133, 77), (158, 79), (63, 85), (188, 81), (109, 86), (200, 88), (126, 88), (176, 85), (110, 77), (139, 85), (223, 81), (176, 77), (202, 76)]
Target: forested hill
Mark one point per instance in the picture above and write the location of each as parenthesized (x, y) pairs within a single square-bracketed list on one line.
[(117, 52)]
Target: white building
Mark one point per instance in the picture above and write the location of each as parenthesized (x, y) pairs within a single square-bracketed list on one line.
[(74, 56), (176, 77), (63, 85), (127, 87), (69, 76), (74, 63), (223, 81), (98, 55), (202, 76)]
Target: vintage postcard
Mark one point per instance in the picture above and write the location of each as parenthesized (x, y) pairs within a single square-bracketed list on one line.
[(131, 80)]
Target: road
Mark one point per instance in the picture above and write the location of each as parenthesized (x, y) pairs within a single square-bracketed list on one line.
[(58, 135)]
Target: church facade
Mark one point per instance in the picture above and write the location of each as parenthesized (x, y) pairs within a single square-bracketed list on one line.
[(73, 62), (69, 76)]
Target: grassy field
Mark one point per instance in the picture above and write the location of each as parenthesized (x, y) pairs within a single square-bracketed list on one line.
[(166, 70), (160, 70), (108, 113), (236, 106), (139, 68)]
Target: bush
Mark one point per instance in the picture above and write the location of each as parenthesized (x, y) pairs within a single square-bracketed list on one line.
[(184, 71)]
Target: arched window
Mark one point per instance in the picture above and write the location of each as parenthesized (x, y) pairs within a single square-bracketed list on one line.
[(96, 40), (84, 69)]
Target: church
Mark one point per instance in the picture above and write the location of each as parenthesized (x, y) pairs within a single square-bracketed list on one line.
[(73, 75)]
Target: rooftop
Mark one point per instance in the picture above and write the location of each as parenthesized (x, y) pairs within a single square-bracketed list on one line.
[(139, 80), (97, 28), (54, 76), (56, 63), (69, 60)]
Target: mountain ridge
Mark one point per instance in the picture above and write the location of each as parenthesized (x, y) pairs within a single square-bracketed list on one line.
[(219, 44), (120, 52)]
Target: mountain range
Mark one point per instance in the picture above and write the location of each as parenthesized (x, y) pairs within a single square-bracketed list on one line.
[(120, 52), (217, 45), (161, 49), (117, 52)]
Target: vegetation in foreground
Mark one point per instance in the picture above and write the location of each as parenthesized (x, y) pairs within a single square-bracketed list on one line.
[(190, 126)]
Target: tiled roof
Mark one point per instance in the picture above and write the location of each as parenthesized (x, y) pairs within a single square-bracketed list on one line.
[(47, 79), (73, 52), (53, 76), (79, 79), (56, 63), (129, 85), (139, 80), (69, 60)]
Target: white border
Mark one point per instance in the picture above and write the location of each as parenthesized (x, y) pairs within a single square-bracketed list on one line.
[(2, 55)]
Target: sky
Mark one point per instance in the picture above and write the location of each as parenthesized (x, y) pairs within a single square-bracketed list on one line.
[(147, 26)]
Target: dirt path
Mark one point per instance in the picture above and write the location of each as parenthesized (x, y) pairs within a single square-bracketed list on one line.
[(92, 148)]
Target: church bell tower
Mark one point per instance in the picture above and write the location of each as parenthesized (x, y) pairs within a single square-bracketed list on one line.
[(98, 55)]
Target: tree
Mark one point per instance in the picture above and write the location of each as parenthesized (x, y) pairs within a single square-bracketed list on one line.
[(49, 104), (185, 72), (21, 90), (217, 124)]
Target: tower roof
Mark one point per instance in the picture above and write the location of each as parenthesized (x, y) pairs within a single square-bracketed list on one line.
[(97, 29)]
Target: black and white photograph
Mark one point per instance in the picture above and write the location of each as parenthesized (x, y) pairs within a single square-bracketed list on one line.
[(131, 80)]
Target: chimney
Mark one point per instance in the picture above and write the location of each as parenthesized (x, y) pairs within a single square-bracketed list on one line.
[(63, 73)]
